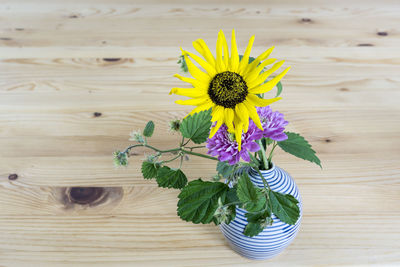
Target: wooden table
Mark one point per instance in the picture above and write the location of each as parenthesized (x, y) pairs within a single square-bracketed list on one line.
[(76, 77)]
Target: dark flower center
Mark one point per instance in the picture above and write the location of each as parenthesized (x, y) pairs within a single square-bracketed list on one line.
[(227, 89)]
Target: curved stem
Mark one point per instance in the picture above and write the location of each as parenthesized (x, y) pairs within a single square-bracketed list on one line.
[(265, 184), (169, 150), (198, 154), (193, 147), (264, 156), (270, 154), (165, 161), (263, 179), (130, 147)]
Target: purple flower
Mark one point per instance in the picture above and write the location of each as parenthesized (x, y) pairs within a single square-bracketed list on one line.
[(223, 144), (273, 123)]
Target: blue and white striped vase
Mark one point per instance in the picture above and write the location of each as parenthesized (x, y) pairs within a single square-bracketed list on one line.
[(273, 239)]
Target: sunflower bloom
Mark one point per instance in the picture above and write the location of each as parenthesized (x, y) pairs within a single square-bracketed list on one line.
[(227, 85)]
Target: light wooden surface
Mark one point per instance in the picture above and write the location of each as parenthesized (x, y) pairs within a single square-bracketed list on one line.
[(61, 61)]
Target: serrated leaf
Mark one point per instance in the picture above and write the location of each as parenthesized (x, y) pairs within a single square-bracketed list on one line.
[(149, 129), (284, 207), (197, 126), (167, 177), (253, 229), (149, 169), (299, 147), (224, 168), (258, 216), (199, 200), (252, 197), (231, 195), (280, 88)]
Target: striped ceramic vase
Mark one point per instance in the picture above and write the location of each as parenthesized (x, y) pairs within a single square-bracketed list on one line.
[(273, 239)]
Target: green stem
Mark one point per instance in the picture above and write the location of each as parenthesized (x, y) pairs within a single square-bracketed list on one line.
[(263, 179), (265, 184), (270, 154), (187, 142), (183, 140), (166, 161), (193, 147), (264, 156), (198, 154), (163, 151), (170, 150), (151, 147), (180, 164)]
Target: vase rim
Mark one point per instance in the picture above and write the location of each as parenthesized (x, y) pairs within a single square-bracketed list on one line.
[(267, 171)]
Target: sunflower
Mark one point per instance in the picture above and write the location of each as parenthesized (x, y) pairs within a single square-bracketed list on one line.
[(228, 85)]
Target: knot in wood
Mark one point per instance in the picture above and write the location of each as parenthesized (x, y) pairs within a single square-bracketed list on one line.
[(85, 195)]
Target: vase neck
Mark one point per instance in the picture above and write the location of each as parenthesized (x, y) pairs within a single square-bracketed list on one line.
[(270, 175)]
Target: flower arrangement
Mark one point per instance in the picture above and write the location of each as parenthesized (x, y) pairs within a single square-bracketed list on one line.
[(240, 130)]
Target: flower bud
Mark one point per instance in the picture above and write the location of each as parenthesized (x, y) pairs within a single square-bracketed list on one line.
[(136, 136), (120, 159)]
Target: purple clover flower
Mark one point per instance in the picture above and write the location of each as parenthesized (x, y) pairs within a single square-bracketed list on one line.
[(273, 123), (223, 144)]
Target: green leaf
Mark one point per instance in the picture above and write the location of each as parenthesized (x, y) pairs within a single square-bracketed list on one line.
[(149, 169), (252, 197), (182, 64), (198, 201), (257, 221), (258, 216), (231, 195), (167, 177), (149, 129), (280, 87), (253, 229), (197, 126), (284, 207), (225, 169), (299, 147)]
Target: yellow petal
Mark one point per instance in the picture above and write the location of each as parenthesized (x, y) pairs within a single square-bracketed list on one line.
[(263, 76), (215, 128), (263, 88), (194, 70), (204, 64), (243, 115), (253, 75), (192, 81), (238, 134), (226, 49), (202, 107), (260, 102), (253, 114), (203, 50), (245, 60), (217, 113), (189, 92), (193, 102), (258, 59), (219, 63), (234, 53), (229, 116)]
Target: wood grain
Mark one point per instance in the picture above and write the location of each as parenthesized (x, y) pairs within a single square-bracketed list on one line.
[(77, 76)]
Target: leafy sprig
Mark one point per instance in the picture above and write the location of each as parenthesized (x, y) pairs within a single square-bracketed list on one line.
[(231, 188)]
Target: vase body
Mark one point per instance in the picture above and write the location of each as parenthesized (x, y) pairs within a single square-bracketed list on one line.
[(273, 239)]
